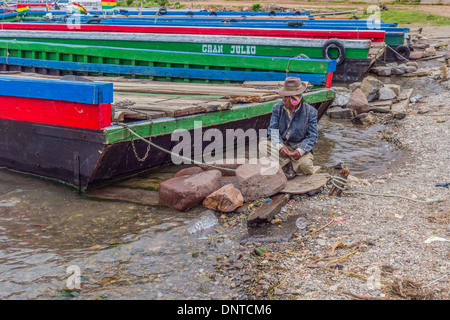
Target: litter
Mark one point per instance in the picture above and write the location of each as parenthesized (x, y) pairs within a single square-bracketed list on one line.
[(340, 219), (434, 238), (445, 185), (301, 223)]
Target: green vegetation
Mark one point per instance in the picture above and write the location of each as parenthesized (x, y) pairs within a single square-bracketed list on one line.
[(409, 16), (148, 3), (256, 7)]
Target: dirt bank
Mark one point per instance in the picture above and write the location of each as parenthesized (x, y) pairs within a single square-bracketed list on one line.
[(443, 10)]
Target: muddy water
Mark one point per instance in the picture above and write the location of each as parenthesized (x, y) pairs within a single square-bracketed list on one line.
[(51, 237)]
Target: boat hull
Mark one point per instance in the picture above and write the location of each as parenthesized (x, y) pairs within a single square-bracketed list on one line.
[(90, 155)]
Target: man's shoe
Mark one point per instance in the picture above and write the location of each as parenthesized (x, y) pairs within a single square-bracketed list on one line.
[(289, 171)]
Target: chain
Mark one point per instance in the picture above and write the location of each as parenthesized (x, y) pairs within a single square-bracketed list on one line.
[(148, 144)]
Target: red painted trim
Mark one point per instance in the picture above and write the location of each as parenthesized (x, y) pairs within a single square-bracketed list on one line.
[(374, 36), (329, 80), (60, 113)]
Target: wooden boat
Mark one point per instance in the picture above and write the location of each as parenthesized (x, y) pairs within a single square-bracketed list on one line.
[(372, 35), (353, 59), (160, 65), (64, 130)]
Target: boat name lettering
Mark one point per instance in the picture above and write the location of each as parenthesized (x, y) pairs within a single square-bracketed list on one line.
[(212, 48), (238, 49)]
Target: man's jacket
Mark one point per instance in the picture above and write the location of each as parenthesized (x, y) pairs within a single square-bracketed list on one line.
[(299, 132)]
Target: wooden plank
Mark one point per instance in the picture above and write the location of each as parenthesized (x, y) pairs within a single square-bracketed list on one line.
[(270, 86), (402, 107), (268, 210), (304, 184), (184, 73), (138, 196)]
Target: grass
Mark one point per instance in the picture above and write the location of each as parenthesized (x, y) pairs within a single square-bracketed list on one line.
[(410, 16)]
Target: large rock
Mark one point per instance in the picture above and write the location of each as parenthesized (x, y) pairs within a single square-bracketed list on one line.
[(306, 184), (397, 71), (353, 86), (188, 171), (226, 166), (260, 180), (364, 119), (341, 113), (358, 102), (183, 193), (226, 199), (416, 55), (342, 98), (386, 94), (384, 71), (410, 69), (370, 87), (394, 87), (412, 64)]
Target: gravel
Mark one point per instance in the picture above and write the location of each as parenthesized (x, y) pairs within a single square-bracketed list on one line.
[(374, 248)]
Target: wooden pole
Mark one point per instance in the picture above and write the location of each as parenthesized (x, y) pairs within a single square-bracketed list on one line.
[(335, 191)]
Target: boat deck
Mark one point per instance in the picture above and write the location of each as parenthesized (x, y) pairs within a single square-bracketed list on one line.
[(136, 100)]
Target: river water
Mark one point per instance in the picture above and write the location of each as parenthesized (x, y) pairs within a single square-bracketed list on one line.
[(52, 238)]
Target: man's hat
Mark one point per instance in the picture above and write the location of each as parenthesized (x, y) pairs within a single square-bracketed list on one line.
[(292, 86)]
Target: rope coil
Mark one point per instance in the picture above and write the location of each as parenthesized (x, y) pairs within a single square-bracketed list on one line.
[(341, 183)]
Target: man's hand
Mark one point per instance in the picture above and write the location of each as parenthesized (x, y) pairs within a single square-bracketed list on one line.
[(284, 152), (296, 155)]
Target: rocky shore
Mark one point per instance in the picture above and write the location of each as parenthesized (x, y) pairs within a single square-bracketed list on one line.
[(362, 246)]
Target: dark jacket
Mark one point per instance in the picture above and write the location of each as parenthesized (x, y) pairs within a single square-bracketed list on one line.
[(300, 131)]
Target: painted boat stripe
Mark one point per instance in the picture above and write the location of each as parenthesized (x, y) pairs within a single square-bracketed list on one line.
[(375, 36), (71, 91), (315, 79), (288, 42)]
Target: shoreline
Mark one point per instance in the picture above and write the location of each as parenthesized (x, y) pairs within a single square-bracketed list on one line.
[(381, 238)]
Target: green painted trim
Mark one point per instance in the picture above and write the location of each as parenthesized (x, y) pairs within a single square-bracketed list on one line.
[(394, 40), (260, 50), (108, 55), (162, 126)]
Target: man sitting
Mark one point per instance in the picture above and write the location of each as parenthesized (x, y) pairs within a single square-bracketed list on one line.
[(292, 131)]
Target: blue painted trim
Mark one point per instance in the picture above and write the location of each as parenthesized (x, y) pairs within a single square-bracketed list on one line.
[(205, 74), (72, 91)]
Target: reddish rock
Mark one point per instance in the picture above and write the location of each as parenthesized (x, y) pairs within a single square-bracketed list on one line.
[(188, 171), (260, 180), (226, 199), (232, 164), (358, 102), (183, 193), (416, 55)]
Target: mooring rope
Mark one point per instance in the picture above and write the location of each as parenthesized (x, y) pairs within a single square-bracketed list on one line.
[(341, 183), (172, 153), (393, 111), (336, 181)]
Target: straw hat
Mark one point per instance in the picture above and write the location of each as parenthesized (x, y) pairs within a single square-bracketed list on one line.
[(292, 86)]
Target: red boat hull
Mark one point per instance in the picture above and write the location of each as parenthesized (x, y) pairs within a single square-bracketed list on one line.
[(374, 36)]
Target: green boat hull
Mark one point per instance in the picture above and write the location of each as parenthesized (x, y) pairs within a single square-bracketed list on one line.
[(260, 50)]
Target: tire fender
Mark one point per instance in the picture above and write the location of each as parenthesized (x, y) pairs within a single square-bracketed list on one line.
[(334, 43)]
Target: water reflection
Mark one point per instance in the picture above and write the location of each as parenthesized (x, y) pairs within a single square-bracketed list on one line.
[(130, 251)]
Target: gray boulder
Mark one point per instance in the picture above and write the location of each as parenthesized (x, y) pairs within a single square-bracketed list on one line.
[(370, 87), (260, 180), (386, 94)]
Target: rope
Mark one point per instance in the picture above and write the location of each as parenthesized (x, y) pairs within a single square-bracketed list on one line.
[(301, 55), (172, 153), (341, 183), (393, 111)]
